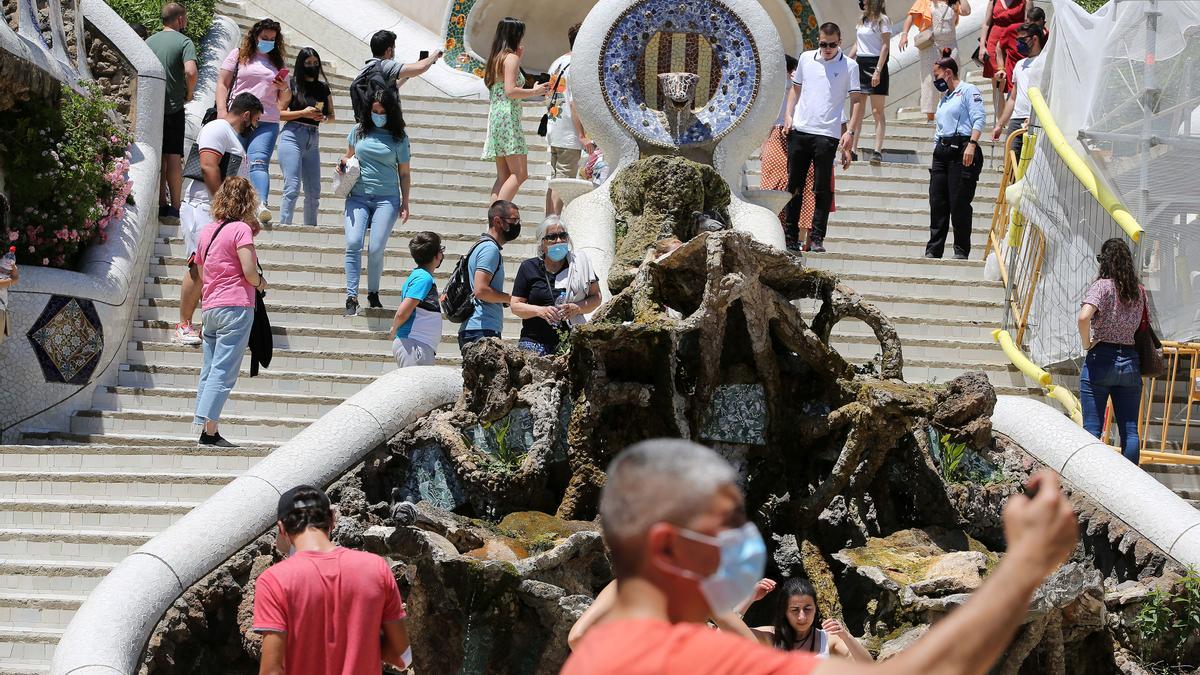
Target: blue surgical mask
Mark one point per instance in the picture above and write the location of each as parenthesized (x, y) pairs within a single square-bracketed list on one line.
[(558, 252), (1023, 47), (941, 84), (379, 120), (743, 561), (266, 46)]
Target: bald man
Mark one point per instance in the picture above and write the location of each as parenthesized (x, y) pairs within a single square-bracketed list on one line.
[(683, 550)]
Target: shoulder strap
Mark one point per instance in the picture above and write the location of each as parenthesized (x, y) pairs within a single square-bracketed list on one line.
[(214, 238), (554, 89)]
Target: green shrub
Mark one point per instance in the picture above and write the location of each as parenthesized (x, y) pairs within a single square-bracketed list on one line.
[(149, 14), (1169, 621), (65, 167), (1091, 5)]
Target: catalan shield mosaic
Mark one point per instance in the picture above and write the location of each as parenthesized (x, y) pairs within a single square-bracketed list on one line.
[(68, 339)]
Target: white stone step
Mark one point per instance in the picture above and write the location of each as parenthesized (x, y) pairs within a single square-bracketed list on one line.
[(937, 287), (133, 458), (178, 423), (851, 260), (239, 403), (925, 328), (30, 646), (186, 485), (966, 353), (277, 256), (457, 235), (66, 550), (336, 385)]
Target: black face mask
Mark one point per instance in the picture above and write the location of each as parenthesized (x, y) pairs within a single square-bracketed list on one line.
[(310, 71), (512, 232), (941, 84), (862, 6)]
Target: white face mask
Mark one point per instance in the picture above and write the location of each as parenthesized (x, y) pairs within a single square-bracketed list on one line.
[(743, 561)]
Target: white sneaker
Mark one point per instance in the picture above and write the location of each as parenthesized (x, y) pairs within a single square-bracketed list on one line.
[(264, 214), (185, 334)]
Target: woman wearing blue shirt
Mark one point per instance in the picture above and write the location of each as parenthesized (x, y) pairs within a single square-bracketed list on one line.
[(956, 160), (379, 196)]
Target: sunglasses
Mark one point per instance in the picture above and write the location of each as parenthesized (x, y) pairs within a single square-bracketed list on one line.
[(561, 236), (828, 45)]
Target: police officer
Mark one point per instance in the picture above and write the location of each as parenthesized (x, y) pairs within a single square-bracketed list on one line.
[(956, 160)]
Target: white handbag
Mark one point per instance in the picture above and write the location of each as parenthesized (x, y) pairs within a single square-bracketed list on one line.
[(344, 181)]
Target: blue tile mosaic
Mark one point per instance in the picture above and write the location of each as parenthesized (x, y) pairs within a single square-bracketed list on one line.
[(735, 57), (68, 339)]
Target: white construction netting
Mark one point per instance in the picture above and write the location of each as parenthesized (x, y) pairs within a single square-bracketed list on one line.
[(1123, 85)]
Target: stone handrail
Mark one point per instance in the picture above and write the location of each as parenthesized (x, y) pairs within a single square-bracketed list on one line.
[(110, 274), (1144, 504), (109, 632)]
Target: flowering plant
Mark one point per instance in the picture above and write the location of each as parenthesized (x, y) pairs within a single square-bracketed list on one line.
[(66, 169)]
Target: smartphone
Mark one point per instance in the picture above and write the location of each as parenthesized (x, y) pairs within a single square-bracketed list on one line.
[(282, 74), (423, 55)]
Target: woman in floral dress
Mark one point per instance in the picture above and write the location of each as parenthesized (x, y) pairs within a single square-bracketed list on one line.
[(505, 138)]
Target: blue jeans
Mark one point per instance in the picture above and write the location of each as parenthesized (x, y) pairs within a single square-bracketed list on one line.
[(226, 334), (300, 159), (259, 146), (531, 346), (466, 337), (1113, 371), (363, 211)]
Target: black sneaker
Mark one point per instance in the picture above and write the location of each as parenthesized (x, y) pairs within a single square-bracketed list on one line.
[(793, 245), (214, 441), (373, 300), (853, 156), (960, 256), (351, 305)]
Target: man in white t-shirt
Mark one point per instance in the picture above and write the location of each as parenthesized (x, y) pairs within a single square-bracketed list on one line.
[(1027, 73), (564, 132), (221, 155), (823, 80)]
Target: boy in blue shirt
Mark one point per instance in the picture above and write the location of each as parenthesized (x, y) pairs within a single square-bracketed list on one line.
[(417, 326)]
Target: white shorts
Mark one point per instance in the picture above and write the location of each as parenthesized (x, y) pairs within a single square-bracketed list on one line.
[(412, 353), (192, 219)]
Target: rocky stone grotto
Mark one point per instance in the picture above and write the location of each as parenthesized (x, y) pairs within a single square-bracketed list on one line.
[(886, 494)]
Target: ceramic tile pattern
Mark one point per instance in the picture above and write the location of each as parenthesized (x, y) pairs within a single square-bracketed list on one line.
[(656, 36), (456, 55), (68, 339), (807, 21)]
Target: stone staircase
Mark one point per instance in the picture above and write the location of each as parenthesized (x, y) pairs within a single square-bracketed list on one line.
[(78, 500)]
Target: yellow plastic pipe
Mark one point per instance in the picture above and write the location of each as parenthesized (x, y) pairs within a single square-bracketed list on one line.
[(1068, 401), (1018, 358), (1080, 168)]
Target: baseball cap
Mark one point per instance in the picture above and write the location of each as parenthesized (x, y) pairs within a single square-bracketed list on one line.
[(302, 497)]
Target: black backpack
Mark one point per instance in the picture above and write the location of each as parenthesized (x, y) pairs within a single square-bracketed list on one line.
[(459, 303), (362, 89)]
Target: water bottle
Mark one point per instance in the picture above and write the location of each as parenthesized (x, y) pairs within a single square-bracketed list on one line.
[(8, 262), (560, 299)]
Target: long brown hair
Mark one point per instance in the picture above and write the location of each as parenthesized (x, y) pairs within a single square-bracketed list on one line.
[(509, 33), (785, 636), (236, 200), (250, 43), (873, 12), (1116, 263)]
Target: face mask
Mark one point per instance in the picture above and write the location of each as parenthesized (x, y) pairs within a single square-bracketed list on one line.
[(558, 252), (378, 120), (862, 6), (941, 84), (266, 46), (1023, 48), (512, 232), (743, 561), (310, 71)]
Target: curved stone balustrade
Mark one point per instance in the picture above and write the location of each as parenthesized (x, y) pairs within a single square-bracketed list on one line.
[(109, 632), (95, 303), (1128, 492)]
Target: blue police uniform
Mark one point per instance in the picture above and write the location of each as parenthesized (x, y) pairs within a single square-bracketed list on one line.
[(952, 185)]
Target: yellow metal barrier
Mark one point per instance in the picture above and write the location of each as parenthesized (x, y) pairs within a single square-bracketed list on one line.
[(1029, 369), (1169, 407), (1080, 168)]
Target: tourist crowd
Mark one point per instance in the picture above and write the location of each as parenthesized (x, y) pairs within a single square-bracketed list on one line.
[(688, 563)]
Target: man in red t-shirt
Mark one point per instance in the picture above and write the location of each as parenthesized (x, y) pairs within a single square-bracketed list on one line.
[(321, 610), (675, 523)]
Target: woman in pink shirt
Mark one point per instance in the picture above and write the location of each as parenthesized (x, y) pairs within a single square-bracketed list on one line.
[(257, 67), (1110, 314), (229, 274)]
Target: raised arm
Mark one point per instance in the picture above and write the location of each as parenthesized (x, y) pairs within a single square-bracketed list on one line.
[(418, 68)]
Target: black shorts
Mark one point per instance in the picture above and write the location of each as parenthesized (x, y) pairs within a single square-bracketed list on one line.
[(866, 70), (174, 128)]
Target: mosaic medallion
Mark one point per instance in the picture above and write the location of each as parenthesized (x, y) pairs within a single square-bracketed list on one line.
[(701, 37), (68, 339)]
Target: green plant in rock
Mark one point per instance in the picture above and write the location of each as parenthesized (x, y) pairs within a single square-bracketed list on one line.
[(149, 14), (1187, 605), (65, 166), (953, 453), (508, 456), (1170, 619)]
